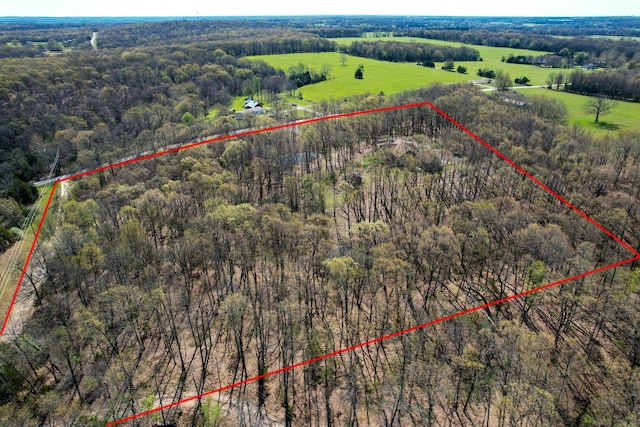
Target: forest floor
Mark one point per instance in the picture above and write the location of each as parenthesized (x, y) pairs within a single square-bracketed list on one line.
[(6, 293)]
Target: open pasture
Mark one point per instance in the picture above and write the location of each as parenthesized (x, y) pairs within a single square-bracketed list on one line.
[(379, 76), (491, 57), (623, 116)]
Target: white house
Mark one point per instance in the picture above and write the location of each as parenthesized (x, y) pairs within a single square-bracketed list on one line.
[(249, 111)]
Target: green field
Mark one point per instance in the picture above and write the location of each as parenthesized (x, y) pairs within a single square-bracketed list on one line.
[(492, 57), (625, 115), (391, 77), (379, 76)]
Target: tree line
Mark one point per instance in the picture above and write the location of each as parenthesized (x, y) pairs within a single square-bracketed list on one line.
[(612, 53), (621, 84), (238, 38), (553, 61), (411, 52)]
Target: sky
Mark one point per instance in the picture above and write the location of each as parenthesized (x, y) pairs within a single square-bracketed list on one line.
[(323, 7)]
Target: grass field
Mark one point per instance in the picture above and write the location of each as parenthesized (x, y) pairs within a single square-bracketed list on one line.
[(379, 76), (492, 57), (390, 77), (625, 115)]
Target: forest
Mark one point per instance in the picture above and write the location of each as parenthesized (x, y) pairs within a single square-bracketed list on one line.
[(173, 276), (621, 83), (611, 52), (411, 52)]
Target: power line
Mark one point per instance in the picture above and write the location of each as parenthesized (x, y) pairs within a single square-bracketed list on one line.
[(14, 254)]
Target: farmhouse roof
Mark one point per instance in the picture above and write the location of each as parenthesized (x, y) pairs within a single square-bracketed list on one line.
[(251, 103)]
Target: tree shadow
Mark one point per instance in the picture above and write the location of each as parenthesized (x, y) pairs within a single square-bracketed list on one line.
[(607, 125)]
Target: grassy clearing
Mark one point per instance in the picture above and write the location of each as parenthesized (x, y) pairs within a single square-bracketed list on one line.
[(492, 57), (238, 104), (212, 114), (623, 116), (379, 76)]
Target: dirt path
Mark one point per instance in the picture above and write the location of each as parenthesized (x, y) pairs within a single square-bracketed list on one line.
[(491, 88), (64, 190), (23, 305)]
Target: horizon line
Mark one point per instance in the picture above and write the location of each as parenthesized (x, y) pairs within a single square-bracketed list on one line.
[(308, 16)]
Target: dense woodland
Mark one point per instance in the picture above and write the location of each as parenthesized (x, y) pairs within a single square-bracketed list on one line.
[(611, 53), (411, 52), (177, 275), (95, 106), (618, 84), (170, 277)]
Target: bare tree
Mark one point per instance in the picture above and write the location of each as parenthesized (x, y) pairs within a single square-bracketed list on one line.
[(343, 59), (551, 78), (599, 105)]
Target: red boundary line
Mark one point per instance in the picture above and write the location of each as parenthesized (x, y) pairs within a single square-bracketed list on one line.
[(372, 341), (366, 343), (242, 134), (534, 179), (26, 263)]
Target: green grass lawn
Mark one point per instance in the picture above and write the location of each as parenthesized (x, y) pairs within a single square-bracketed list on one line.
[(492, 58), (625, 115), (238, 104), (379, 76)]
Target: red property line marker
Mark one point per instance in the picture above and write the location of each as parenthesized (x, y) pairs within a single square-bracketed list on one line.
[(373, 341), (357, 113), (26, 263), (176, 149), (242, 134), (534, 179)]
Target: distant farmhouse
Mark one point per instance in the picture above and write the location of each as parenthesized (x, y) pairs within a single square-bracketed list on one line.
[(251, 103), (251, 107)]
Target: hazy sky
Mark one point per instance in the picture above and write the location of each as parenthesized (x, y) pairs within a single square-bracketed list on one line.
[(323, 7)]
